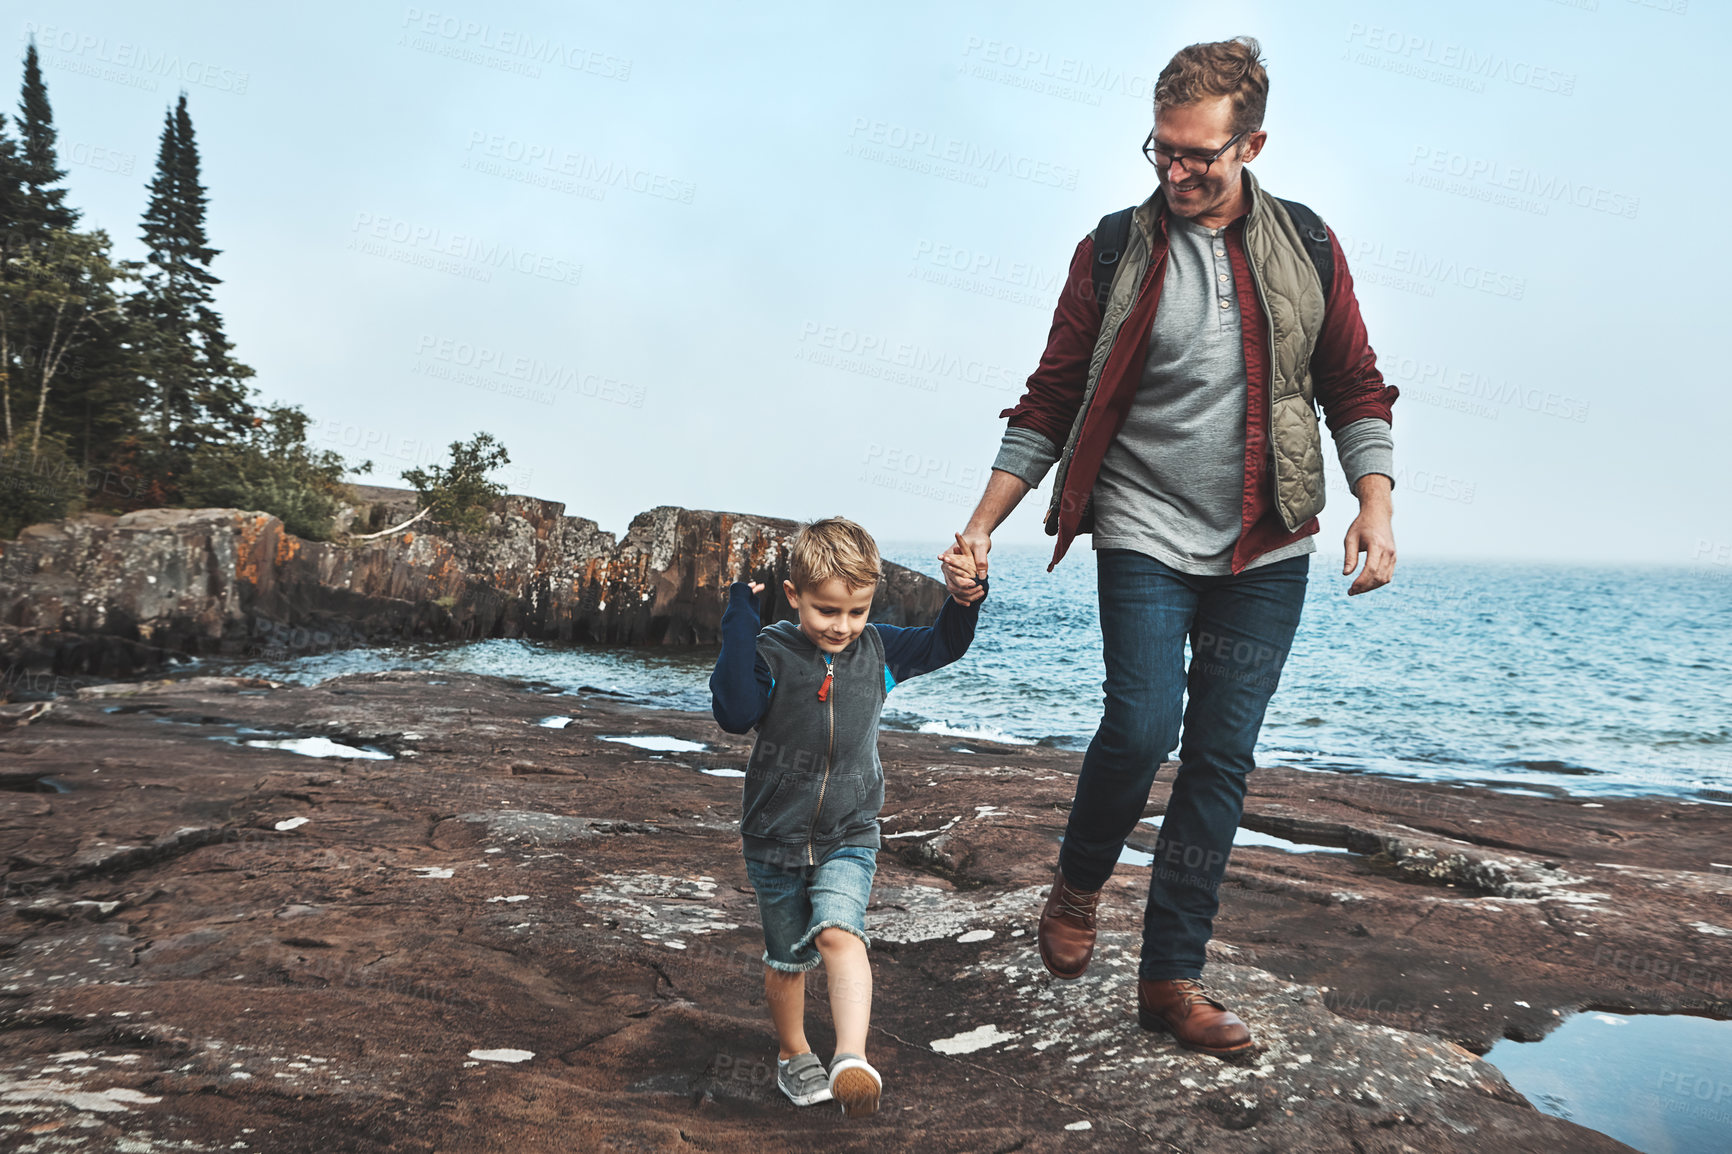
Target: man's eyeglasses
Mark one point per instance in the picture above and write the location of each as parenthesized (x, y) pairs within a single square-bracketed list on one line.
[(1164, 159)]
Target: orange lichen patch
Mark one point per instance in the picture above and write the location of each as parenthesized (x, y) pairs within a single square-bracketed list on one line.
[(408, 538), (247, 555), (288, 546)]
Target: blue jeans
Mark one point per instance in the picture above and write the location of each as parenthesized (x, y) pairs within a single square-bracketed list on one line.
[(1240, 628), (796, 903)]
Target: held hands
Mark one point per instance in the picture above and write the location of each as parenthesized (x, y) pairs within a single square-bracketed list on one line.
[(962, 575)]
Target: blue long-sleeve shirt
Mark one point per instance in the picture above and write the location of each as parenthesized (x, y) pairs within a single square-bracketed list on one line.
[(814, 780), (741, 685)]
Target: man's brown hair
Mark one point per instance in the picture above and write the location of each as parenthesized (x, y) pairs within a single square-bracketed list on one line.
[(1231, 68), (834, 547)]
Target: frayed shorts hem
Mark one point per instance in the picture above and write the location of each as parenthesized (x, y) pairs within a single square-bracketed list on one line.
[(810, 941), (791, 967)]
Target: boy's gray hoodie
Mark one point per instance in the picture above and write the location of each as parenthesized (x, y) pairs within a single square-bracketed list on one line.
[(814, 781)]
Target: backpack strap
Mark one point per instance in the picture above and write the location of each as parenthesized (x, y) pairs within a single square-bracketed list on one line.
[(1316, 239), (1111, 236)]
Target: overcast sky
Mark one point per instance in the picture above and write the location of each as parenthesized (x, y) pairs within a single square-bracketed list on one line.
[(793, 259)]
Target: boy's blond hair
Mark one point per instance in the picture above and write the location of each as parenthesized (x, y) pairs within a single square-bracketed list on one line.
[(834, 547)]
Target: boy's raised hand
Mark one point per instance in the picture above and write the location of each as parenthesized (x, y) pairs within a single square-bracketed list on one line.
[(960, 573)]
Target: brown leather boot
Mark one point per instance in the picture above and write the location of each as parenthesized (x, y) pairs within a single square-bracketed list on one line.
[(1067, 929), (1184, 1008)]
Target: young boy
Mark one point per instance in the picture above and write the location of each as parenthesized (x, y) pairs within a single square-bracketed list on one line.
[(814, 785)]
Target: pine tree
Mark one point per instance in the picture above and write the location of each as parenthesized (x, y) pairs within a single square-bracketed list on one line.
[(11, 239), (199, 394), (44, 207)]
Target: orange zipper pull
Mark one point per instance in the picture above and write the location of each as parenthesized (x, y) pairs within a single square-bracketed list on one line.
[(829, 676)]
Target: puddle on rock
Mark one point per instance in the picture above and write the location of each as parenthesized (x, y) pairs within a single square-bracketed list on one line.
[(658, 743), (1245, 837), (30, 783), (1661, 1083), (319, 747)]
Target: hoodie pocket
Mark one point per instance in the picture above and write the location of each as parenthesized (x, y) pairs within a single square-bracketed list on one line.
[(781, 809), (843, 799)]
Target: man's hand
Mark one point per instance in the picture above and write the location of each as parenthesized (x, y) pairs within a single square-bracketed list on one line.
[(1003, 491), (977, 543), (961, 573), (757, 587), (1371, 535)]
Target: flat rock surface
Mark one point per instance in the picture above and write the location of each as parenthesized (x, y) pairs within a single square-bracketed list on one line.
[(474, 931)]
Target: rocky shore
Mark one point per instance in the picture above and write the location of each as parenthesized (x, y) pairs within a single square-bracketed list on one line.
[(478, 931), (101, 596)]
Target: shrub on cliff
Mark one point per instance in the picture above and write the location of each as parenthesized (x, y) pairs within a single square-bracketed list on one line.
[(272, 469), (458, 495)]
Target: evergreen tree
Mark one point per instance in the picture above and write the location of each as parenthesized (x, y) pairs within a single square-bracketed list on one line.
[(11, 242), (44, 207), (275, 469), (198, 390)]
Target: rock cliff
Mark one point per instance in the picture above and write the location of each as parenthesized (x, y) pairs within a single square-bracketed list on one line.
[(110, 596)]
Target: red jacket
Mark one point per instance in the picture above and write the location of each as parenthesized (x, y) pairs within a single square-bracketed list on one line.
[(1343, 366)]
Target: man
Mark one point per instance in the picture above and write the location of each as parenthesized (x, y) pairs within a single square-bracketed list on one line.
[(1179, 410)]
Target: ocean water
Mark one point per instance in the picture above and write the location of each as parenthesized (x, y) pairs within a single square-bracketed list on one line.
[(1549, 679)]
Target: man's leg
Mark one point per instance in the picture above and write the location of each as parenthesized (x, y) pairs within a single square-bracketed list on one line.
[(1244, 628), (1146, 610)]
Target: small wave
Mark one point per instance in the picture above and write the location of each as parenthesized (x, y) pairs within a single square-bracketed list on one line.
[(979, 733)]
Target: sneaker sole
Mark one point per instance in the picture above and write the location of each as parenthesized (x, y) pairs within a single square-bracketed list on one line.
[(857, 1091), (1156, 1024)]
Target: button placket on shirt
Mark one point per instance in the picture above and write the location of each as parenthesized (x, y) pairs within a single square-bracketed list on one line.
[(1223, 279)]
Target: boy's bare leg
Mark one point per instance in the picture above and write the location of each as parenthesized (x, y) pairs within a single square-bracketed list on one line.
[(786, 994), (849, 975)]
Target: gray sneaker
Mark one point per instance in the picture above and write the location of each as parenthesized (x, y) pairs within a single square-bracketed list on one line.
[(803, 1080), (855, 1085)]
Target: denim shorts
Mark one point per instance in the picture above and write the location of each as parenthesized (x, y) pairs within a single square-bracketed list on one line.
[(795, 903)]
